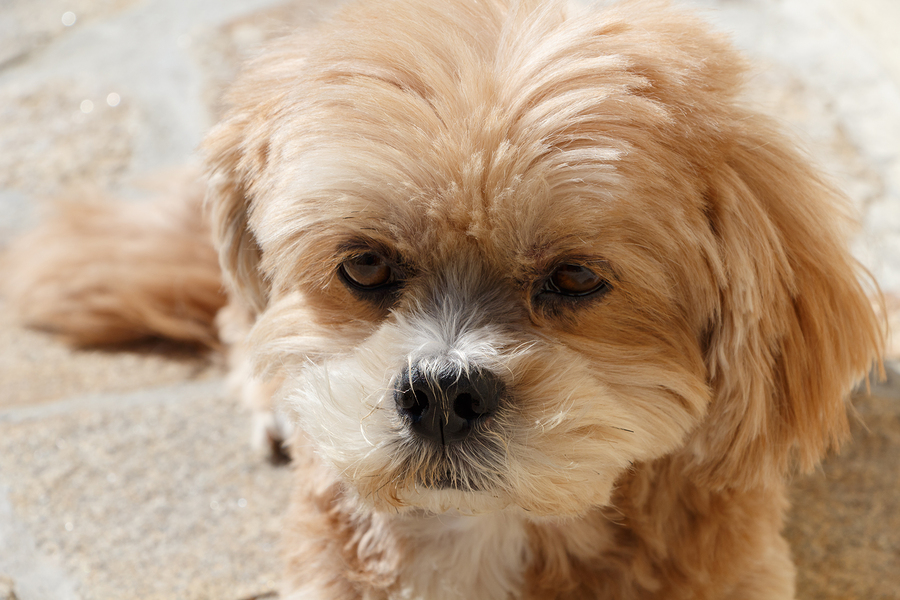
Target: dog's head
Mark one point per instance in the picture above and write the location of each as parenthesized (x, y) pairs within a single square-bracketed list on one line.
[(503, 255)]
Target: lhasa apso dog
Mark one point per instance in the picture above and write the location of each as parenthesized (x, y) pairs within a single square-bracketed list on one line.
[(553, 312)]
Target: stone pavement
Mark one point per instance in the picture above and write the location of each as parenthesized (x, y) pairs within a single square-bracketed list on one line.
[(128, 474)]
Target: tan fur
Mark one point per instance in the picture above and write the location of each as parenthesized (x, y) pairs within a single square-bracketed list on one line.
[(101, 271), (644, 437)]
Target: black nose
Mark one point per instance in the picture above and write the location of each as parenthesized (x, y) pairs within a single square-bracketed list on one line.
[(444, 406)]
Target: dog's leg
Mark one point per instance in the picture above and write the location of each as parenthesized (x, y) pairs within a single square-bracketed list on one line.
[(270, 430)]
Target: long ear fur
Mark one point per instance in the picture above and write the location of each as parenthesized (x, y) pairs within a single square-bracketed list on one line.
[(228, 203), (795, 329), (236, 152)]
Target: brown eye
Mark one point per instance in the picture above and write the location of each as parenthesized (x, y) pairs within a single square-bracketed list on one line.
[(574, 280), (367, 271)]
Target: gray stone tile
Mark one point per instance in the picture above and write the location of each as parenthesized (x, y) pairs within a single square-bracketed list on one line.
[(152, 494), (128, 475)]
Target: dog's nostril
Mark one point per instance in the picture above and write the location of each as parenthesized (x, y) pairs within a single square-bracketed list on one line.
[(420, 404), (468, 407), (413, 403)]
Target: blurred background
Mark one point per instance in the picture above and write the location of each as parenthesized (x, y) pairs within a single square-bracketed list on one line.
[(128, 474)]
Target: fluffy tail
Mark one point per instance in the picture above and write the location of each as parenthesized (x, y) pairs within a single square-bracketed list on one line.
[(101, 271)]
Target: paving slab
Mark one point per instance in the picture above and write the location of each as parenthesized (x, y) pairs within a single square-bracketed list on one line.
[(844, 526), (127, 474), (149, 494)]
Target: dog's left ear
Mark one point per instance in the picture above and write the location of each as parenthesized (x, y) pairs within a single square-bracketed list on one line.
[(795, 328)]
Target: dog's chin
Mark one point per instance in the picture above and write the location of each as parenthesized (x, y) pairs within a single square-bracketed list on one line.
[(554, 504), (448, 500), (434, 481), (476, 496)]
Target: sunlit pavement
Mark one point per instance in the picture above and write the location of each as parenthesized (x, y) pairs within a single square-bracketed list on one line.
[(128, 474)]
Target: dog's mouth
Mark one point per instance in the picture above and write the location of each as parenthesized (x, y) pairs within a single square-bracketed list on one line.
[(468, 467), (450, 481)]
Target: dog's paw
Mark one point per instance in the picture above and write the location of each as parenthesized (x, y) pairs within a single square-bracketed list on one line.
[(269, 435)]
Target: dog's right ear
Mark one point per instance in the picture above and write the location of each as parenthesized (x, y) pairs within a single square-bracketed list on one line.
[(230, 167), (236, 156)]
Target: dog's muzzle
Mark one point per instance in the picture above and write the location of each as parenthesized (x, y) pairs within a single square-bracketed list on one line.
[(445, 404)]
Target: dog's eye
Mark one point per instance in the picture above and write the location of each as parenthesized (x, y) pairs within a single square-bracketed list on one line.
[(574, 280), (367, 271)]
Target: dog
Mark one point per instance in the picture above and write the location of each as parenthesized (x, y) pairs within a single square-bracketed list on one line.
[(554, 313)]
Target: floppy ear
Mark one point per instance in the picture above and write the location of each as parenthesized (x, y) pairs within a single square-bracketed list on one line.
[(236, 153), (229, 170), (795, 328)]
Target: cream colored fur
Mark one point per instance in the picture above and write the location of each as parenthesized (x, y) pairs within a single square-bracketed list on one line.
[(641, 445)]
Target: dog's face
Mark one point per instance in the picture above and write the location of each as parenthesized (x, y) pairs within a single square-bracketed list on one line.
[(489, 342), (502, 256)]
